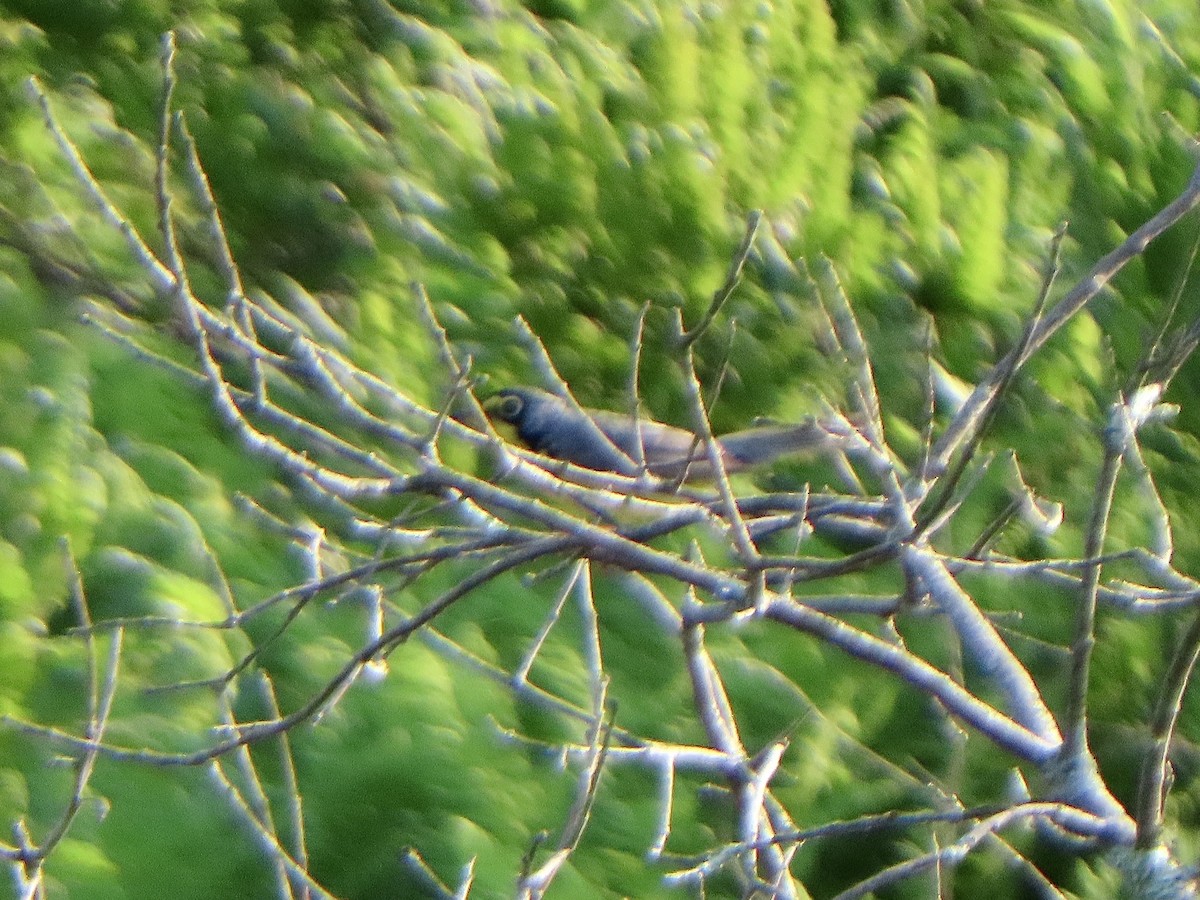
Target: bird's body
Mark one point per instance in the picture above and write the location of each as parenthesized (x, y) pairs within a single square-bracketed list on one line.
[(609, 442)]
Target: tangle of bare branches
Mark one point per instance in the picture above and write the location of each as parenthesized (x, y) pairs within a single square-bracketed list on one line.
[(695, 562)]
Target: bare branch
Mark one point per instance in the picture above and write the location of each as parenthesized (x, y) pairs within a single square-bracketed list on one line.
[(159, 275), (966, 422), (688, 337)]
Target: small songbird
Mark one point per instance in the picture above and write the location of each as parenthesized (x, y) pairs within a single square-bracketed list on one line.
[(549, 425)]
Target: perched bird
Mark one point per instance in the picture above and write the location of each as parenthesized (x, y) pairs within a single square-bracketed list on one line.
[(549, 425)]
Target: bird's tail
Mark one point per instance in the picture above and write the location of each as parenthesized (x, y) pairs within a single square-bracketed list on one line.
[(764, 443)]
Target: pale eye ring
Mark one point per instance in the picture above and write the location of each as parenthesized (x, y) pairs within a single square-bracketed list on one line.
[(510, 407)]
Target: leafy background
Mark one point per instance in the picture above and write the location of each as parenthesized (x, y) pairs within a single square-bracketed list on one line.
[(568, 162)]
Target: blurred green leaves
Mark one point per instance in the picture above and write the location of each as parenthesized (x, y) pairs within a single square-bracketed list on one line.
[(566, 162)]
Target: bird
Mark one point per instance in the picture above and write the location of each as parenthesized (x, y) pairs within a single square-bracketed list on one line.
[(606, 441)]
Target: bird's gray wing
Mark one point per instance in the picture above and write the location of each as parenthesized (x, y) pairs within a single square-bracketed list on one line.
[(665, 448), (552, 426)]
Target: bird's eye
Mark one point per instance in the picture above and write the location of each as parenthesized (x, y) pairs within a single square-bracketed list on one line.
[(509, 408)]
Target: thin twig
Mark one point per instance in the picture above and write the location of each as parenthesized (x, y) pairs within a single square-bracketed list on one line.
[(160, 276), (1084, 639), (1002, 378), (732, 278), (1152, 783), (966, 422)]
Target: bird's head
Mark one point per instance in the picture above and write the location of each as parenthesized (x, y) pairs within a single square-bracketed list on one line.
[(546, 424), (508, 405)]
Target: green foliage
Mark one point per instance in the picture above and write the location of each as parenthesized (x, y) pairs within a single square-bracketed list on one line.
[(567, 162)]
